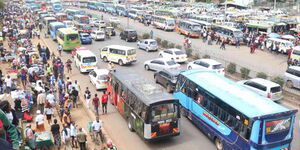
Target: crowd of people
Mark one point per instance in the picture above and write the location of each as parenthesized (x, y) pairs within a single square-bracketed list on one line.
[(43, 74)]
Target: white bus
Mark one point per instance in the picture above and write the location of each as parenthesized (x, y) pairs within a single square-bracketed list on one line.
[(164, 23), (203, 24)]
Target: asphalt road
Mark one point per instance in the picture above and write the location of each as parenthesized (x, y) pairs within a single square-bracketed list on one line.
[(190, 138)]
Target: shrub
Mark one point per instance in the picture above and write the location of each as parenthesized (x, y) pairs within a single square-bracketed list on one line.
[(206, 56), (164, 44), (261, 75), (146, 36), (196, 56), (231, 68), (171, 45), (189, 52), (245, 72), (158, 40), (278, 80), (178, 46)]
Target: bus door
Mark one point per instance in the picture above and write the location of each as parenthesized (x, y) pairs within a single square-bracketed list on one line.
[(115, 93), (120, 99)]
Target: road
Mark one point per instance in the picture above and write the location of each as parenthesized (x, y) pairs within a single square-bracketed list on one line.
[(116, 126), (261, 61)]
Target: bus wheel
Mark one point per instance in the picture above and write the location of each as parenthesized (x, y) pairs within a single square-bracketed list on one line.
[(104, 59), (219, 144), (169, 89), (129, 125), (289, 84), (120, 62)]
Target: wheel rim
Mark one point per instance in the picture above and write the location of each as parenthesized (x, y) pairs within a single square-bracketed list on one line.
[(120, 62), (147, 67), (160, 55), (289, 84), (105, 59), (129, 125), (219, 144), (190, 67)]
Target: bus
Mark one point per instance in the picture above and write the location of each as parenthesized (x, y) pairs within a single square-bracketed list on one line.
[(188, 28), (148, 108), (205, 18), (84, 28), (121, 10), (232, 35), (233, 116), (81, 19), (203, 24), (83, 4), (47, 21), (72, 12), (53, 27), (166, 13), (164, 23), (68, 38), (92, 5), (61, 17)]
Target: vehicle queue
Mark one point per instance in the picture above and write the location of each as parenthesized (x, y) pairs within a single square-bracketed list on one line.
[(225, 118)]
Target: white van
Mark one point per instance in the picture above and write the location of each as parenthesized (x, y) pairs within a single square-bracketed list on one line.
[(284, 45), (118, 54), (295, 55), (85, 60)]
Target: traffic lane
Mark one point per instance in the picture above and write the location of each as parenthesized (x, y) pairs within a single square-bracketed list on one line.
[(116, 126), (260, 61)]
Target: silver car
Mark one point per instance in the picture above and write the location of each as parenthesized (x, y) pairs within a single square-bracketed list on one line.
[(292, 77), (160, 64), (148, 45)]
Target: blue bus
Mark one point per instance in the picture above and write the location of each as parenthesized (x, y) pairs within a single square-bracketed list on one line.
[(72, 12), (234, 117), (57, 7), (53, 27), (121, 10), (92, 5)]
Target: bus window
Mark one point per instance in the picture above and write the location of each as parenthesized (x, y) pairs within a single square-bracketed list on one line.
[(72, 37), (163, 112), (89, 59)]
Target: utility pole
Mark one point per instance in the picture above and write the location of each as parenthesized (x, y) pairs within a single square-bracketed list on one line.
[(126, 5), (275, 4)]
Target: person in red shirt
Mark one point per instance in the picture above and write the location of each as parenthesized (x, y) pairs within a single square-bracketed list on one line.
[(104, 100), (96, 104)]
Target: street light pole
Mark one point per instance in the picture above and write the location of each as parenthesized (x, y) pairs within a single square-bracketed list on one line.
[(275, 4), (126, 5)]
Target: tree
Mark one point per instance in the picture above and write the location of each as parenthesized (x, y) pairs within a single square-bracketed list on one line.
[(2, 5)]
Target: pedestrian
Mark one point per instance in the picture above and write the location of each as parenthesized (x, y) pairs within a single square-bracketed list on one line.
[(7, 129), (66, 138), (151, 34), (51, 98), (96, 104), (81, 139), (73, 134), (97, 128), (47, 53), (222, 47), (59, 48), (69, 66), (55, 130), (30, 139), (23, 77), (76, 85), (10, 113), (8, 84), (48, 112), (39, 120), (87, 96), (104, 100), (74, 95), (41, 99)]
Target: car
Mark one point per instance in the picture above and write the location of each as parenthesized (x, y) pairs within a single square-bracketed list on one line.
[(148, 45), (160, 64), (128, 35), (98, 77), (99, 23), (167, 78), (85, 38), (110, 29), (174, 54), (114, 20), (69, 24), (263, 87), (93, 21), (98, 35), (292, 77), (207, 63)]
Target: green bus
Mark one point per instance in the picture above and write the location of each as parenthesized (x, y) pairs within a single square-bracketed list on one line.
[(68, 38)]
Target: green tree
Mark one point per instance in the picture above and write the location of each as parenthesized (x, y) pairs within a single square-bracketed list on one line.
[(2, 5)]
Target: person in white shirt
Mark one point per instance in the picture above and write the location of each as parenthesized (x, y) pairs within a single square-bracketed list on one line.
[(48, 112), (39, 120), (66, 137), (8, 84), (73, 134), (76, 85), (96, 129), (51, 98)]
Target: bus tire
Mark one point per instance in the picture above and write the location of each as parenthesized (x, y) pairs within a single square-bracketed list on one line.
[(104, 59), (126, 40), (289, 84), (219, 144), (169, 89), (120, 62), (129, 124)]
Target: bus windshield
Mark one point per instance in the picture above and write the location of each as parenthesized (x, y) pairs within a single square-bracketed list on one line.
[(278, 125), (196, 28), (89, 59), (131, 52), (170, 21), (72, 37), (164, 111), (84, 20), (238, 33)]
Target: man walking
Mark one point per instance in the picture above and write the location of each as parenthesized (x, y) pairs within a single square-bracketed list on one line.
[(96, 104), (81, 138), (41, 99), (104, 100), (87, 96)]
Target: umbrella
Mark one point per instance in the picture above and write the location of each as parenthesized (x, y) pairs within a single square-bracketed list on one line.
[(21, 49), (289, 37), (274, 35)]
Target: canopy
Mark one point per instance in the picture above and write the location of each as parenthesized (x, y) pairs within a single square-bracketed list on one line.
[(289, 37), (274, 35)]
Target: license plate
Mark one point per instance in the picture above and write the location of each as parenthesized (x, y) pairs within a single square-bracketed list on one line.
[(276, 94)]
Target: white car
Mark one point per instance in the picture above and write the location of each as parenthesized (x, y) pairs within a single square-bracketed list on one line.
[(98, 35), (114, 20), (208, 64), (99, 23), (148, 45), (174, 54), (160, 64), (69, 24), (98, 77), (264, 88)]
